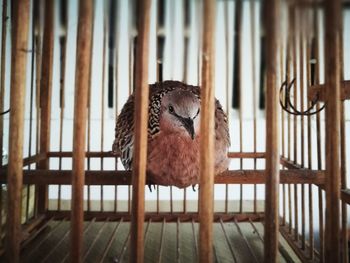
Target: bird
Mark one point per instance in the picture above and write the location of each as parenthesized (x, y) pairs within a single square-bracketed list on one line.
[(173, 135)]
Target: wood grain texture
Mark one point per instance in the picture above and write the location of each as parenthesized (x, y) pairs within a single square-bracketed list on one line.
[(20, 30), (319, 91), (45, 98), (2, 74), (140, 130), (293, 176), (207, 138), (333, 20), (271, 20), (84, 40)]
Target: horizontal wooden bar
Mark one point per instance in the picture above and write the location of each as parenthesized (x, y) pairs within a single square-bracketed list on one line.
[(108, 154), (43, 177), (158, 217), (319, 91), (30, 160), (345, 196), (290, 164), (248, 155)]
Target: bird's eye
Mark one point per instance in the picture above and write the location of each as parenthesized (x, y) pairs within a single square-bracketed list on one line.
[(171, 109)]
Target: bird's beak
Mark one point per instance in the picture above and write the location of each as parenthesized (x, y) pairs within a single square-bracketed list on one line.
[(188, 124)]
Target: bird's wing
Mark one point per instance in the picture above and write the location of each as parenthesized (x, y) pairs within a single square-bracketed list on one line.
[(124, 139)]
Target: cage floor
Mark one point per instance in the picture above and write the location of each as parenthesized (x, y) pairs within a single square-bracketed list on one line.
[(106, 241)]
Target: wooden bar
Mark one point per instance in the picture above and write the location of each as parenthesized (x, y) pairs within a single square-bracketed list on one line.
[(63, 58), (294, 20), (20, 28), (343, 174), (160, 250), (289, 127), (310, 37), (45, 98), (84, 40), (2, 78), (96, 237), (43, 239), (333, 32), (158, 217), (42, 177), (124, 247), (2, 97), (319, 149), (228, 241), (251, 251), (345, 195), (271, 20), (228, 83), (109, 154), (92, 221), (30, 160), (301, 29), (207, 135), (140, 131), (318, 91), (194, 233), (295, 245), (178, 236)]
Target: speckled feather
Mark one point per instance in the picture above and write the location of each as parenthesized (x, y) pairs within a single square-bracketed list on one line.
[(123, 143)]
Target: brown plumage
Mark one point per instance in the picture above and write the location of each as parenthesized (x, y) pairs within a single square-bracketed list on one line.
[(173, 134)]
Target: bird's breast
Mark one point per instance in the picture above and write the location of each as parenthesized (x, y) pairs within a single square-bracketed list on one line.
[(173, 159)]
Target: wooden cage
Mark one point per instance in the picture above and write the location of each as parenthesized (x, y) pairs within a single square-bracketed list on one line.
[(294, 170)]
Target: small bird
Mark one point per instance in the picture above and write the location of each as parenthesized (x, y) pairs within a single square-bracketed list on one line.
[(173, 135)]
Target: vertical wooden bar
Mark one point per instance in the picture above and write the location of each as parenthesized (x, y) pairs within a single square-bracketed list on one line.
[(207, 134), (301, 27), (289, 129), (20, 30), (45, 98), (84, 40), (318, 131), (333, 21), (344, 213), (2, 96), (2, 78), (63, 48), (228, 84), (39, 17), (295, 118), (311, 36), (140, 131), (254, 81), (282, 74), (271, 20)]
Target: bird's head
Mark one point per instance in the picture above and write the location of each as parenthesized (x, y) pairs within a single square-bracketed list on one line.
[(180, 113)]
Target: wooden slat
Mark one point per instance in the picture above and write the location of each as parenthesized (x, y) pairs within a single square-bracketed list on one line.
[(20, 30), (84, 40), (345, 196), (159, 217), (332, 83), (45, 98), (2, 78), (140, 131), (109, 154), (206, 153), (319, 91), (41, 177), (32, 159), (271, 20)]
